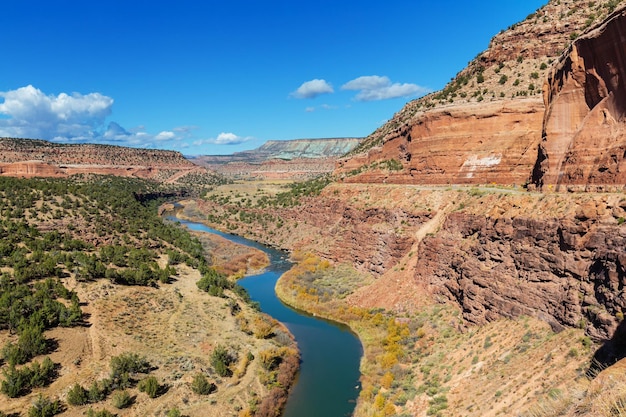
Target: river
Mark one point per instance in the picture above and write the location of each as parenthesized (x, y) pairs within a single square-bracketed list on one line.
[(328, 381)]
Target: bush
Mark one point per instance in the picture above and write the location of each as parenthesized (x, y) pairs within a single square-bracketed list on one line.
[(18, 382), (77, 395), (221, 360), (97, 392), (150, 386), (201, 385), (44, 407), (122, 399), (174, 412), (128, 363), (101, 413)]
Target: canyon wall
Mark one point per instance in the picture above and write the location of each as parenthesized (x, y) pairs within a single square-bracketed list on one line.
[(584, 137), (568, 271), (37, 158), (476, 143)]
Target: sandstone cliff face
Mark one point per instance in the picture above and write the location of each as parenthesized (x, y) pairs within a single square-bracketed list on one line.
[(465, 144), (584, 141), (460, 135), (569, 271)]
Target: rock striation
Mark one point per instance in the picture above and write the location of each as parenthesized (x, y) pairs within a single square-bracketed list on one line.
[(568, 271), (298, 159), (584, 134), (492, 124), (37, 158), (472, 143)]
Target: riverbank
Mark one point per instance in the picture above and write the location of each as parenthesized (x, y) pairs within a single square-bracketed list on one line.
[(420, 357), (326, 348)]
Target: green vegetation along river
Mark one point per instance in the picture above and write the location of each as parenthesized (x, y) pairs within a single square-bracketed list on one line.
[(328, 383)]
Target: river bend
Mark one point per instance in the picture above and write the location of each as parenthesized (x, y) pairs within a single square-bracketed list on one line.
[(328, 381)]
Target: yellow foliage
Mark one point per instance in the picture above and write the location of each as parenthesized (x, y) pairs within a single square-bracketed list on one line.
[(390, 409), (388, 360), (386, 380), (263, 328), (421, 332), (243, 366), (246, 413), (367, 392), (378, 319), (379, 401)]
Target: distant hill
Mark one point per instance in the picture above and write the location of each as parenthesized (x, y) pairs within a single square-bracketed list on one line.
[(38, 158), (295, 159)]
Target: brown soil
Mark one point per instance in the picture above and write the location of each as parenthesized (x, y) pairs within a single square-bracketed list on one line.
[(176, 327)]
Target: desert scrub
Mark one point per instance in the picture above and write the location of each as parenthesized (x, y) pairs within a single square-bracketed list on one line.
[(122, 399), (201, 385), (150, 386)]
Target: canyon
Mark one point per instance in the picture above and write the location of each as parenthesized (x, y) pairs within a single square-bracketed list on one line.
[(500, 198)]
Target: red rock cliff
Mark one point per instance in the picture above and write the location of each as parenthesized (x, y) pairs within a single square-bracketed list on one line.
[(463, 144), (584, 137)]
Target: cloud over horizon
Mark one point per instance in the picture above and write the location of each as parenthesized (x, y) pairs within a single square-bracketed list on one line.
[(375, 87), (312, 89), (27, 112), (224, 138)]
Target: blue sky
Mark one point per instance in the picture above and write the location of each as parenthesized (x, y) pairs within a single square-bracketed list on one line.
[(215, 77)]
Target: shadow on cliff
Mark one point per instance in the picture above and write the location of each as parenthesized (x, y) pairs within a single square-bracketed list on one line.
[(611, 351)]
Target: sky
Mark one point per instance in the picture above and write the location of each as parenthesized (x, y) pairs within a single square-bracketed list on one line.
[(219, 76)]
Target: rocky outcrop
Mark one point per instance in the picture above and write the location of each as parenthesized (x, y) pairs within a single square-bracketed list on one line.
[(460, 135), (568, 271), (584, 138), (465, 144), (37, 158), (296, 159)]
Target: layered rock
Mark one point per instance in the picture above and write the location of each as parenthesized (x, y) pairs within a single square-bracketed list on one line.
[(492, 142), (568, 271), (584, 138), (447, 137), (297, 159), (37, 158)]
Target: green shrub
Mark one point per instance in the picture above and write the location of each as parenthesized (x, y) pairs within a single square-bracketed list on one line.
[(174, 412), (150, 386), (77, 395), (128, 363), (221, 360), (44, 407), (101, 413), (97, 392), (122, 399), (201, 385)]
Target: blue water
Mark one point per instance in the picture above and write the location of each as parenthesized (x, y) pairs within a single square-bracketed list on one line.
[(328, 382)]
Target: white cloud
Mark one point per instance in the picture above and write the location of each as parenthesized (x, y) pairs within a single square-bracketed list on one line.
[(31, 113), (28, 112), (165, 136), (311, 109), (224, 138), (312, 89), (375, 87)]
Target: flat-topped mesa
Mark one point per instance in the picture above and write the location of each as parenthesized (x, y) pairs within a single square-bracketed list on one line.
[(38, 158), (584, 135), (19, 150)]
